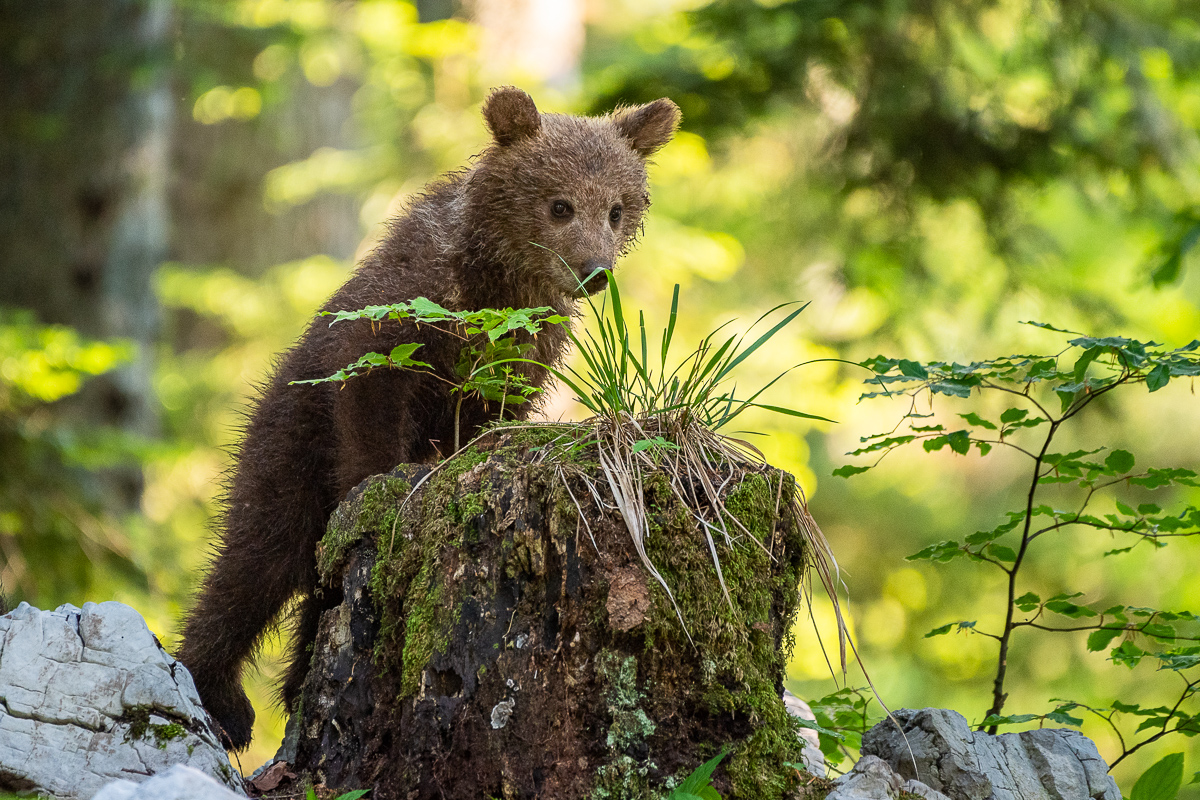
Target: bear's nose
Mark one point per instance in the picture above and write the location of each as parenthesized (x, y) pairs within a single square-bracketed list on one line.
[(593, 275), (593, 266)]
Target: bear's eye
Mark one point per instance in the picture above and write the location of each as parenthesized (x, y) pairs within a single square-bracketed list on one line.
[(561, 209), (614, 216)]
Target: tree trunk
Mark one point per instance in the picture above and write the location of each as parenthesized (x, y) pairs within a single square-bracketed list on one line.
[(85, 132), (492, 642)]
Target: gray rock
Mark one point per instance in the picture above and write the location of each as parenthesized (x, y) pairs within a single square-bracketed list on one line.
[(88, 696), (937, 747), (812, 757), (178, 783), (921, 790), (871, 779), (874, 779)]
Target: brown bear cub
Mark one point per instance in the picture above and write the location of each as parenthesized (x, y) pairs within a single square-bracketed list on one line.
[(543, 211)]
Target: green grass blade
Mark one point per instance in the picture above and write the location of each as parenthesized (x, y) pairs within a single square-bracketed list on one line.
[(669, 333), (791, 412), (763, 339)]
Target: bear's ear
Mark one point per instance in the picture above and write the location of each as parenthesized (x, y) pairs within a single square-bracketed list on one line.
[(511, 115), (648, 127)]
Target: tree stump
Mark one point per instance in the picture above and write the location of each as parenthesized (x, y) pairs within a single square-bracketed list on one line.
[(498, 635)]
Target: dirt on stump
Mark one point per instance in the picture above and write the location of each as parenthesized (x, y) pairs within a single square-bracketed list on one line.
[(492, 642)]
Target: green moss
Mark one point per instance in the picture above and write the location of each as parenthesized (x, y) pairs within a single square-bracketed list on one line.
[(741, 665), (166, 733), (469, 506), (421, 628), (404, 580), (140, 727), (374, 510)]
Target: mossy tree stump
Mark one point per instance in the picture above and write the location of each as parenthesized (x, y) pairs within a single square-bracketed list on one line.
[(491, 643)]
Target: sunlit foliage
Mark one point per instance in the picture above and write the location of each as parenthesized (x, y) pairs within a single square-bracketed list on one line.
[(926, 174), (56, 535)]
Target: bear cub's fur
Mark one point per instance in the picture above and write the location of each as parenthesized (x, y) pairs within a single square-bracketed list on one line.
[(577, 187)]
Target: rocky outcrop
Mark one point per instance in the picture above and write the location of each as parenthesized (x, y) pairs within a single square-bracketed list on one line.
[(177, 783), (873, 779), (88, 696), (939, 748)]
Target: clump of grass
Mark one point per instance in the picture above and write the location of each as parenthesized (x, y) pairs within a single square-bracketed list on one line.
[(646, 414), (654, 417)]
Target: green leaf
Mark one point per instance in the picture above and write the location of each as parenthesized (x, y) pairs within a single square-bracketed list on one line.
[(699, 780), (1120, 461), (1159, 631), (848, 470), (1127, 653), (1063, 718), (965, 626), (1065, 398), (978, 421), (657, 441), (1001, 553), (1048, 327), (960, 442), (1100, 639), (1161, 781), (936, 443), (1158, 377), (1027, 602), (353, 795), (1013, 415), (954, 388), (813, 726), (983, 537), (1068, 609), (1085, 360), (940, 552), (912, 369), (1006, 719)]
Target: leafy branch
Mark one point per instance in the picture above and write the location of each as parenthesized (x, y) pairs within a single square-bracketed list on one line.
[(484, 366), (1086, 370)]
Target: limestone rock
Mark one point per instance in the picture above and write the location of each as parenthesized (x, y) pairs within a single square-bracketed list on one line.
[(873, 779), (812, 757), (88, 696), (178, 783), (968, 765)]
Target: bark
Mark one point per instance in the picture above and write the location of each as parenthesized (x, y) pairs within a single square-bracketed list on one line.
[(490, 642)]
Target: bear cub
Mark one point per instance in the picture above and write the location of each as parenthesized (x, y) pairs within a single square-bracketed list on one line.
[(535, 221)]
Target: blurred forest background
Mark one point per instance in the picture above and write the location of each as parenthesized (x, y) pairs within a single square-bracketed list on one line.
[(185, 181)]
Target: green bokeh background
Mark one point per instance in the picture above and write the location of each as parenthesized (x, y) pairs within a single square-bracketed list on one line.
[(928, 174)]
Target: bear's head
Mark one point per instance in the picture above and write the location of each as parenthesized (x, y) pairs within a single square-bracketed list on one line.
[(559, 198)]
